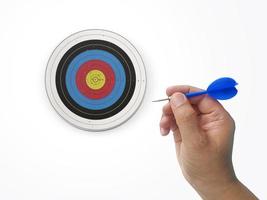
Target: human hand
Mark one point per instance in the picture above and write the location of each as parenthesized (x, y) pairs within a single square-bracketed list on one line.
[(203, 133)]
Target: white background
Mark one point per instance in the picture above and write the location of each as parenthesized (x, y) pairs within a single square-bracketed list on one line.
[(181, 42)]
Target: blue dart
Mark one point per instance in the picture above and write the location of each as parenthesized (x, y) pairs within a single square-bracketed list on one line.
[(221, 89)]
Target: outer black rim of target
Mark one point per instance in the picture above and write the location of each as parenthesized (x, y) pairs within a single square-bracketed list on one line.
[(129, 73)]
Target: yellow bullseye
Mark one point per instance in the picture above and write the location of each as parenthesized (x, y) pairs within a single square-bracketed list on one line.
[(95, 79)]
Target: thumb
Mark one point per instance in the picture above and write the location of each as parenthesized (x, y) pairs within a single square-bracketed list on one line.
[(186, 118)]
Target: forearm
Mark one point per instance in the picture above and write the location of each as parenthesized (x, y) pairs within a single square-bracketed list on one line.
[(234, 191)]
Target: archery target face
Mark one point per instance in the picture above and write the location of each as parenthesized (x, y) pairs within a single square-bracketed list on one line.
[(95, 79)]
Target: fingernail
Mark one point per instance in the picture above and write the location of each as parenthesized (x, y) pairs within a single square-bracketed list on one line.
[(163, 131), (177, 99)]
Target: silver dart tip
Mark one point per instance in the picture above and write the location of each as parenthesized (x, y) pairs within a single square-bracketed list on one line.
[(165, 99)]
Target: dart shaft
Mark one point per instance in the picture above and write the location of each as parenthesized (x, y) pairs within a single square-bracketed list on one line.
[(188, 95), (194, 94)]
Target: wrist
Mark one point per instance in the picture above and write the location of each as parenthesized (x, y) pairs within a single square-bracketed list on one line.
[(217, 188), (233, 189), (219, 191)]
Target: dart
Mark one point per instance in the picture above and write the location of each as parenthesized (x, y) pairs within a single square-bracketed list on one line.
[(221, 89)]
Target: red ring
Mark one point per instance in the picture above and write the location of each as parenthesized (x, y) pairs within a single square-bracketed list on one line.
[(95, 65)]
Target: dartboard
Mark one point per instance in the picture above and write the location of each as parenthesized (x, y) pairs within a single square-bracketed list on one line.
[(95, 79)]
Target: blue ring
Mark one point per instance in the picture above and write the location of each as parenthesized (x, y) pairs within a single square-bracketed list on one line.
[(120, 79)]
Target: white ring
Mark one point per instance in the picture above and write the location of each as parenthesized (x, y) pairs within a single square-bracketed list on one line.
[(126, 112)]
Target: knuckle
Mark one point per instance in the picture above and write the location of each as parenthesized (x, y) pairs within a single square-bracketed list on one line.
[(164, 121), (165, 108), (231, 123)]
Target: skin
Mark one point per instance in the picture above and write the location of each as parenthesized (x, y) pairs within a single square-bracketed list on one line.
[(203, 133)]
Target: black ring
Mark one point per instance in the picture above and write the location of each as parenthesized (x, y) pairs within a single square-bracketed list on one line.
[(114, 108)]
